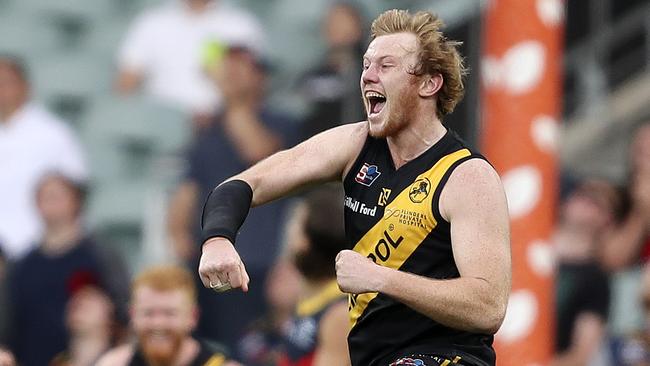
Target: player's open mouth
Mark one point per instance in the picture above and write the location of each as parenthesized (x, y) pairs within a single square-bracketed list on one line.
[(376, 102)]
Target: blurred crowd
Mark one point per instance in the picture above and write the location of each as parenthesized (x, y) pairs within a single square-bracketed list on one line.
[(67, 298)]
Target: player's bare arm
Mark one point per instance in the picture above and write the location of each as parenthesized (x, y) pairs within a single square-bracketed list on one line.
[(324, 157), (332, 337), (474, 203)]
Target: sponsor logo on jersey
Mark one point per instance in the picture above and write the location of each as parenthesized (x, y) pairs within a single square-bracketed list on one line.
[(383, 197), (407, 217), (360, 207), (367, 174), (408, 362), (419, 190)]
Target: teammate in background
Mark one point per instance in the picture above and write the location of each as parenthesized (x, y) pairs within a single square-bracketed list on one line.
[(163, 315), (320, 324), (262, 342), (430, 270)]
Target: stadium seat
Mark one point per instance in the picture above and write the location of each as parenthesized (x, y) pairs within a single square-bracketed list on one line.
[(24, 36), (133, 145), (140, 118), (103, 39), (66, 81), (88, 10)]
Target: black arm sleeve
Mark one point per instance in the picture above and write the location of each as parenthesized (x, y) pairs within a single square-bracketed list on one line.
[(225, 210)]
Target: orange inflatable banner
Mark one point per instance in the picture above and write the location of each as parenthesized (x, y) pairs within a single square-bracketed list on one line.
[(521, 101)]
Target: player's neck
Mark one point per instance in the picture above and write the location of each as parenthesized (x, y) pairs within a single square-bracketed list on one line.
[(414, 140)]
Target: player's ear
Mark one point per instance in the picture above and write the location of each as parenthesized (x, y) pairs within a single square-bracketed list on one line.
[(430, 85)]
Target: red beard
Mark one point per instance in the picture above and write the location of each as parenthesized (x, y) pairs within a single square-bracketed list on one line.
[(402, 111), (160, 355)]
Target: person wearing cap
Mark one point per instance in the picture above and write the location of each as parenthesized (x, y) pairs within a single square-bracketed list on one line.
[(161, 52), (246, 131), (40, 284), (90, 321)]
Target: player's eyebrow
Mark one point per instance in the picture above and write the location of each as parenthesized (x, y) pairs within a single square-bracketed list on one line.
[(380, 59)]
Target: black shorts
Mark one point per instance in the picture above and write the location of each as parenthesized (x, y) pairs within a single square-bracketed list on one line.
[(427, 360)]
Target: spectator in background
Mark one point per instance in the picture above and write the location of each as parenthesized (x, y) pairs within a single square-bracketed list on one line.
[(163, 51), (32, 143), (582, 286), (163, 316), (244, 132), (629, 243), (261, 345), (332, 88), (317, 335), (39, 284), (634, 350), (90, 320)]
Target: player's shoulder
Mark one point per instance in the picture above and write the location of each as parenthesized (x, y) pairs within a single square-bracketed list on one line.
[(473, 185), (475, 170), (117, 356)]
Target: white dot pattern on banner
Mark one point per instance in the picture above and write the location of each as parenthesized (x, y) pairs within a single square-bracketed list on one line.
[(520, 316), (523, 186), (544, 131), (550, 12), (522, 66), (491, 72), (541, 258)]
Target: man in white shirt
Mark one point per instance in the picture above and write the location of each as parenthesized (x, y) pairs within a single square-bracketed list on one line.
[(33, 142), (163, 50)]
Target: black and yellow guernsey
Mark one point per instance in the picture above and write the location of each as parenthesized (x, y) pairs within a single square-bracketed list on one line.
[(392, 217)]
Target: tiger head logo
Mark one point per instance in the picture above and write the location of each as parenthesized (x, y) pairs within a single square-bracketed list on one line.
[(420, 190)]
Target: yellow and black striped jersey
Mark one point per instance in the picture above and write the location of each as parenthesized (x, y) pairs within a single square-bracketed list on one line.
[(392, 217)]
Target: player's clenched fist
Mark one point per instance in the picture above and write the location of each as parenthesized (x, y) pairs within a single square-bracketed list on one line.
[(220, 267), (357, 274)]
